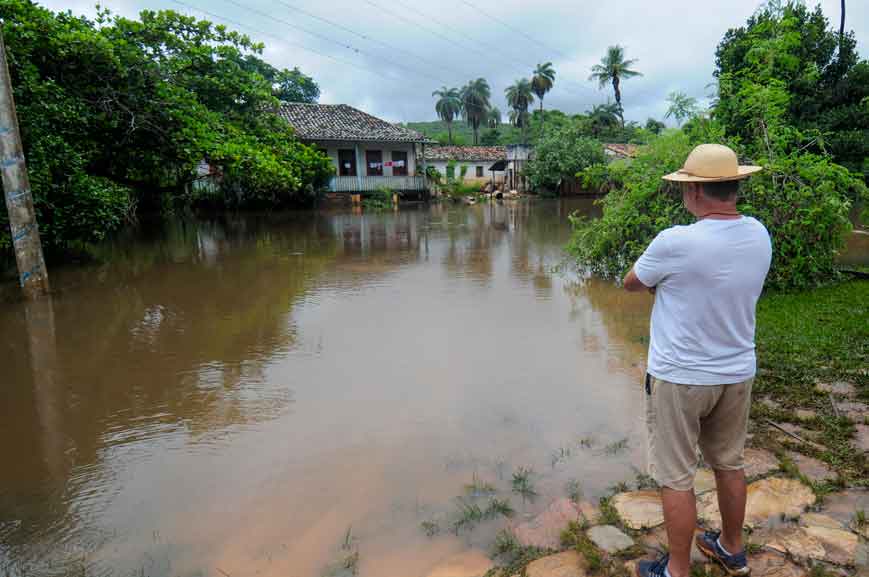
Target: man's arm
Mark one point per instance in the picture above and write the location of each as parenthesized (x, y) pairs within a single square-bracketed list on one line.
[(633, 284), (651, 268)]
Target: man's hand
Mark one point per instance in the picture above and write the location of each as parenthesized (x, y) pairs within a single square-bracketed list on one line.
[(633, 284)]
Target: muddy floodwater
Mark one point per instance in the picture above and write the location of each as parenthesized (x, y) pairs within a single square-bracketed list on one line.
[(240, 396)]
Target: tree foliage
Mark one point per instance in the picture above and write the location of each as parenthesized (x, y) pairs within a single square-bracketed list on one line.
[(793, 50), (614, 68), (561, 154), (116, 114)]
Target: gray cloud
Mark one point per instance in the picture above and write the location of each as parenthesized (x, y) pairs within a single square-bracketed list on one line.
[(412, 48)]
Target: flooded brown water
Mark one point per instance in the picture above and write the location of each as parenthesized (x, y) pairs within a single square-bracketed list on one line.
[(231, 397)]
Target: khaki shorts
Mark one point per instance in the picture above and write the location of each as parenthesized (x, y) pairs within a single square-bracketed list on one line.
[(681, 417)]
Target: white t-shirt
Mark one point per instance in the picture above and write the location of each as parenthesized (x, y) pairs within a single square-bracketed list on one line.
[(708, 277)]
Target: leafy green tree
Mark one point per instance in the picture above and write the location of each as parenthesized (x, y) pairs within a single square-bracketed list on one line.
[(788, 45), (116, 114), (560, 154), (603, 119), (613, 68), (542, 82), (494, 119), (655, 126), (448, 107), (681, 106), (475, 104), (520, 97)]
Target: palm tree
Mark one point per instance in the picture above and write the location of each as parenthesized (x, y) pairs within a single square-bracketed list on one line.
[(681, 107), (541, 83), (603, 117), (448, 106), (475, 104), (494, 120), (612, 69), (520, 96)]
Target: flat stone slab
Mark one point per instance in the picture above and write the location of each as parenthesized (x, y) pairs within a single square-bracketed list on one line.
[(544, 530), (861, 438), (704, 481), (609, 538), (840, 545), (468, 564), (770, 497), (768, 564), (759, 462), (805, 414), (854, 410), (837, 388), (656, 541), (843, 505), (639, 509), (797, 543), (814, 470), (566, 564)]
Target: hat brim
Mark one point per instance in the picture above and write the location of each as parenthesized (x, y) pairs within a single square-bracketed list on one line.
[(743, 171)]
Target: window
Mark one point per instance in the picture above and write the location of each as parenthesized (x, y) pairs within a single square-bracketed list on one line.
[(399, 163), (479, 172), (347, 162), (374, 162)]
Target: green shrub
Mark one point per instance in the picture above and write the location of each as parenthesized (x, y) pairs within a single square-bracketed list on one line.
[(561, 154), (802, 198)]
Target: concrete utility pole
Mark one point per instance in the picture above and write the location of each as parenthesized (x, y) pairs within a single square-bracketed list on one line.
[(32, 273)]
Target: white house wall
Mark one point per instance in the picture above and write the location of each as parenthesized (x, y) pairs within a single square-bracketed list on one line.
[(471, 174), (386, 148)]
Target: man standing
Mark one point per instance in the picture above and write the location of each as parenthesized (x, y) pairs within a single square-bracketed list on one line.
[(706, 278)]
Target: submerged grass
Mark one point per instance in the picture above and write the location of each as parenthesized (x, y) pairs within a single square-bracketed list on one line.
[(523, 485)]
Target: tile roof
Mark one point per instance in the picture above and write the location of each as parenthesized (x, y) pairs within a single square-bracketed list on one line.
[(623, 150), (487, 153), (342, 122)]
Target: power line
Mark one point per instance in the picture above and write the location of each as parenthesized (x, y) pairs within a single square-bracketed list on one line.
[(427, 29), (332, 40), (419, 12), (302, 46), (513, 28), (369, 38)]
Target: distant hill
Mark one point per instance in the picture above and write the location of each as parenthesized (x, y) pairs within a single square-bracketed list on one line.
[(462, 133)]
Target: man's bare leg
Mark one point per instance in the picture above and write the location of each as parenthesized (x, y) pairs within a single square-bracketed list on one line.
[(680, 516), (731, 503)]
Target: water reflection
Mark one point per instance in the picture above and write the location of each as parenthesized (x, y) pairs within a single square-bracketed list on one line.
[(233, 393)]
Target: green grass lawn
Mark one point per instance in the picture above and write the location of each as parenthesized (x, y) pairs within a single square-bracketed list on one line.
[(806, 338)]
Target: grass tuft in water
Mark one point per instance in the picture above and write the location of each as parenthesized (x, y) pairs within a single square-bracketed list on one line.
[(523, 485), (505, 544), (498, 507), (467, 517), (644, 481), (574, 490), (559, 456), (431, 528), (616, 447), (477, 488)]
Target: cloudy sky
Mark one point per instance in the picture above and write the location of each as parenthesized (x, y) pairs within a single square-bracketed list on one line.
[(387, 56)]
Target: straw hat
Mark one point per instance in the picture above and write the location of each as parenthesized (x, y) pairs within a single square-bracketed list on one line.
[(712, 163)]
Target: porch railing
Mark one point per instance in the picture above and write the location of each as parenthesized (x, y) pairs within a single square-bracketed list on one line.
[(356, 184)]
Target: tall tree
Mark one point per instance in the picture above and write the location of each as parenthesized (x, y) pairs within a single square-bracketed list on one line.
[(475, 104), (494, 120), (520, 96), (603, 119), (613, 68), (541, 83), (842, 30), (681, 106), (448, 107)]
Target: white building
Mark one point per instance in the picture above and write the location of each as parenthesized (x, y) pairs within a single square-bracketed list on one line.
[(478, 159), (367, 152)]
